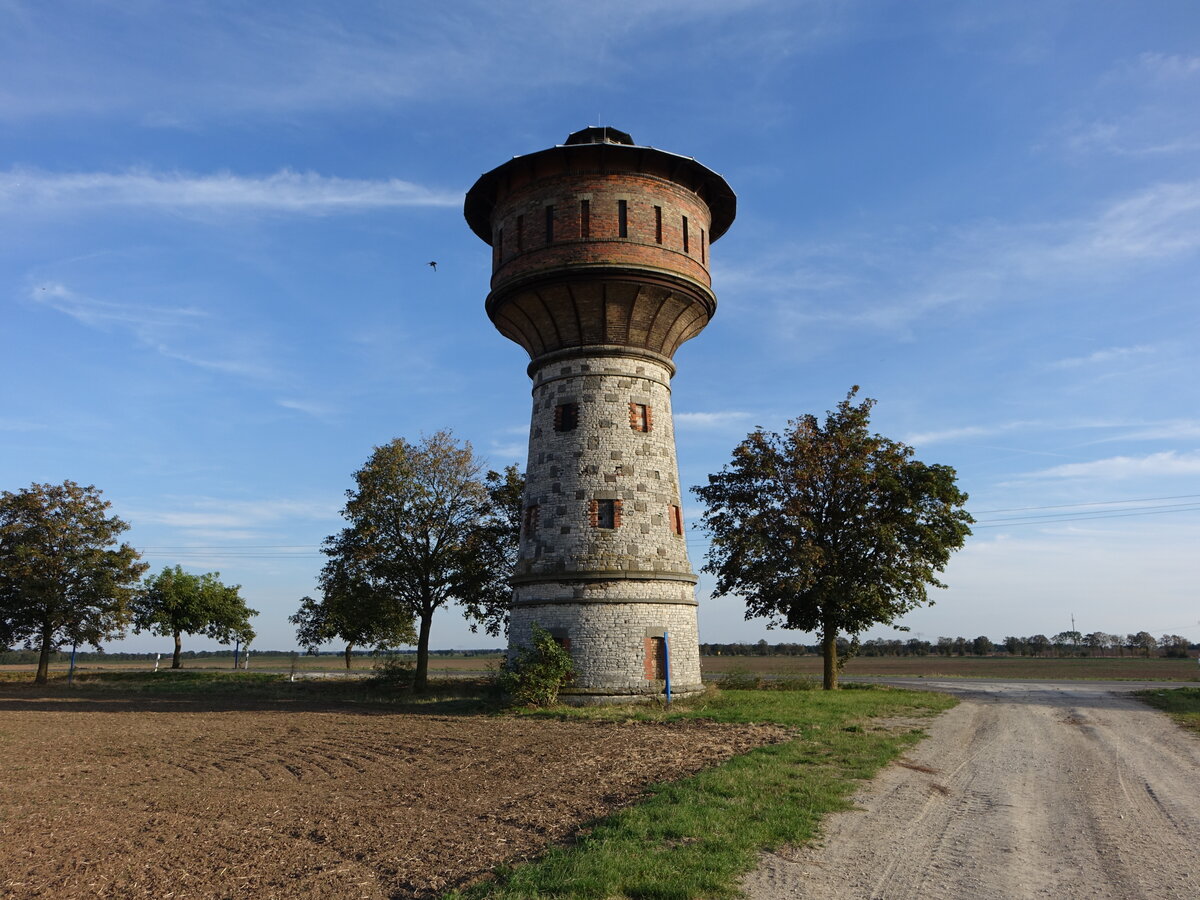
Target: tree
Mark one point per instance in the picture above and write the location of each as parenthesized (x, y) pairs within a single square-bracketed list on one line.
[(415, 515), (1014, 645), (495, 544), (982, 645), (63, 577), (174, 603), (1038, 644), (830, 528), (1146, 641), (353, 611)]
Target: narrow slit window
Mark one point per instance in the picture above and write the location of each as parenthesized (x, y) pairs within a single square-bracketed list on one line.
[(520, 233), (641, 417), (566, 417), (622, 218), (500, 244), (676, 520), (585, 219), (685, 234), (658, 224), (703, 250), (531, 520), (549, 224)]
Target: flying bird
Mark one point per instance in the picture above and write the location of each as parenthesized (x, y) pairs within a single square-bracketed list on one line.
[(433, 265)]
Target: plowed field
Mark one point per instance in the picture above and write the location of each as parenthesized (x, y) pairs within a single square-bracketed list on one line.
[(185, 799)]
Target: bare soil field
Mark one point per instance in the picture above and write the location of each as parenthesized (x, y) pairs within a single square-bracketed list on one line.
[(1098, 668), (187, 798), (1021, 791)]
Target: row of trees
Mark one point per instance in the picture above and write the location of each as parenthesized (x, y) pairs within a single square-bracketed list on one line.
[(65, 580), (1095, 644)]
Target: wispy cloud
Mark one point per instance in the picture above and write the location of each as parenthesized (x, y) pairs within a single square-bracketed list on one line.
[(308, 407), (238, 60), (173, 332), (284, 192), (221, 514), (890, 282), (1168, 463), (20, 425), (1108, 355), (925, 438)]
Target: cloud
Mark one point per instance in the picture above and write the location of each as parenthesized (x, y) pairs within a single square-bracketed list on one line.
[(891, 281), (20, 425), (236, 60), (217, 513), (925, 438), (1168, 463), (285, 192), (1111, 354), (165, 330)]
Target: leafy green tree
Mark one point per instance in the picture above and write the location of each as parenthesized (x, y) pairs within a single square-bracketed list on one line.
[(830, 528), (174, 603), (495, 544), (1039, 644), (982, 645), (1014, 645), (1096, 641), (1144, 640), (355, 612), (64, 579), (414, 516)]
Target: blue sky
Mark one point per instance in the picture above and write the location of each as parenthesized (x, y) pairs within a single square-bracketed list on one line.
[(217, 218)]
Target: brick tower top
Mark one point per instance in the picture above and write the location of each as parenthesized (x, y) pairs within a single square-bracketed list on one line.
[(602, 244)]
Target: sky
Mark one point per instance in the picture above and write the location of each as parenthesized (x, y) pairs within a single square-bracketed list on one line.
[(217, 218)]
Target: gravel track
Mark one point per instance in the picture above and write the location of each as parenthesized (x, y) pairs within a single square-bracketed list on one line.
[(1022, 790)]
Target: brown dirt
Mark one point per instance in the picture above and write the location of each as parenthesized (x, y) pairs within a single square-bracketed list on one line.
[(186, 799)]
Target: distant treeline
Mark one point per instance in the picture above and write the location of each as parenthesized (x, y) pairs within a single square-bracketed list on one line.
[(1067, 643), (30, 657)]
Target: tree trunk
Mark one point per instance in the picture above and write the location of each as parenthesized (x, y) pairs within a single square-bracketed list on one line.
[(349, 647), (421, 679), (43, 669), (175, 661), (829, 643)]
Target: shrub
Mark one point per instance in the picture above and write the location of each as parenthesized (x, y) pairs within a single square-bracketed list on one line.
[(536, 675), (394, 673)]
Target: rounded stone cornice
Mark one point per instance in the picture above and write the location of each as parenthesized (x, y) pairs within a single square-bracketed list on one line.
[(596, 306)]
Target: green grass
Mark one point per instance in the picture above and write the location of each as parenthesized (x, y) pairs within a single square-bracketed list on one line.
[(1182, 704), (696, 837)]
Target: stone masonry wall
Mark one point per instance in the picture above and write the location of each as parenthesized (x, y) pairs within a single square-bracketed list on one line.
[(608, 586)]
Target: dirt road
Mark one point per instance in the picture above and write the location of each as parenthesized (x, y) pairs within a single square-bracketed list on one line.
[(1023, 790)]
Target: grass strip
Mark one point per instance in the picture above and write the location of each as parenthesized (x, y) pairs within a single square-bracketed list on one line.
[(1182, 704), (697, 837)]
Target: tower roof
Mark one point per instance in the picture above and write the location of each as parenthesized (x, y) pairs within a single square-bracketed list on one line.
[(602, 148)]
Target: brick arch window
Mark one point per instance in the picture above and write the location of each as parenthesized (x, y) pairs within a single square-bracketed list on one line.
[(566, 417), (605, 513), (641, 417), (532, 513)]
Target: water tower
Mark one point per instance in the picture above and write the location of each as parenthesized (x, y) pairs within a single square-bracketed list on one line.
[(600, 270)]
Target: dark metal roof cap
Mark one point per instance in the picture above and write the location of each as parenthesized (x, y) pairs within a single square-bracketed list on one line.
[(598, 134)]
